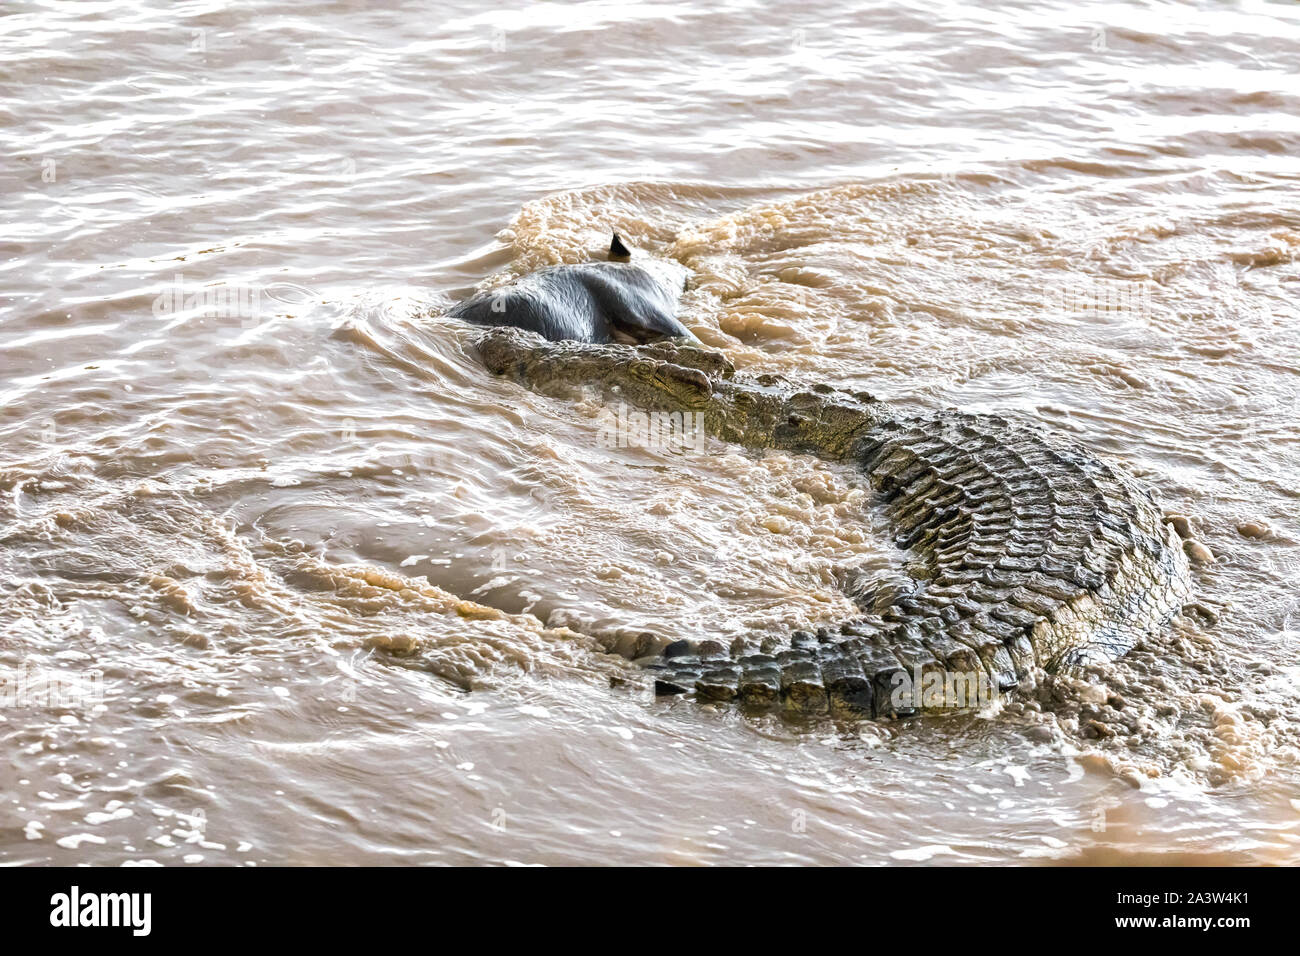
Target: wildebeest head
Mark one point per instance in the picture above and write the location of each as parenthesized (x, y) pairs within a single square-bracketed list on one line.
[(641, 305), (630, 297)]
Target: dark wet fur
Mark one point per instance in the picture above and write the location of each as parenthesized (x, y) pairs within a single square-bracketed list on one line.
[(588, 302)]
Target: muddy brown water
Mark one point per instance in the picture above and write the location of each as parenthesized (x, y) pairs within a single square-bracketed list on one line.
[(287, 578)]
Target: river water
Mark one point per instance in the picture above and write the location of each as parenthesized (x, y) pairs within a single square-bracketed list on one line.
[(288, 578)]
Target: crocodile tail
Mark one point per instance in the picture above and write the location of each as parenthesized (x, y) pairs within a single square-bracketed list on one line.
[(1028, 552)]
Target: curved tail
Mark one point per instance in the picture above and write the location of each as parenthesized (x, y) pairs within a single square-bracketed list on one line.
[(1027, 551)]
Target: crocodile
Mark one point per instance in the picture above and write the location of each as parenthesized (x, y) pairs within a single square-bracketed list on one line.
[(1026, 551)]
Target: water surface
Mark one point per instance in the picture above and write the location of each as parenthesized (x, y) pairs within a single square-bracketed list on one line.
[(317, 589)]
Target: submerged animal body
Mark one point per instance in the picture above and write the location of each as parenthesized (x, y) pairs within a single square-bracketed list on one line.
[(1026, 551), (595, 302)]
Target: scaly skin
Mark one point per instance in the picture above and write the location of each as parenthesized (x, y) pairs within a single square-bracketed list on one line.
[(1027, 551)]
